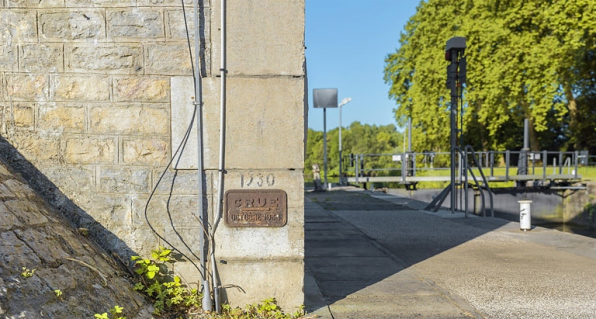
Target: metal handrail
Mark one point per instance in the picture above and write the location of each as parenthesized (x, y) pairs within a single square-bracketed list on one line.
[(490, 193), (467, 167)]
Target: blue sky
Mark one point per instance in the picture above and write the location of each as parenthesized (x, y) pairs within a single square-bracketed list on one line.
[(347, 42)]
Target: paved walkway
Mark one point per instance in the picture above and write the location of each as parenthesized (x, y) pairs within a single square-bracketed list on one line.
[(372, 255)]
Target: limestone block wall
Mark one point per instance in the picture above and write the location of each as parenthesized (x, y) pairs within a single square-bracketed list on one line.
[(92, 93)]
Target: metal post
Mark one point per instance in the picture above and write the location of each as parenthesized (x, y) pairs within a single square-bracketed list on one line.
[(466, 184), (459, 174), (575, 155), (325, 145), (343, 102), (409, 135), (526, 134), (544, 162), (461, 117), (523, 161), (560, 162), (413, 163), (453, 122), (492, 164), (362, 164), (357, 168), (404, 164), (340, 158), (404, 145), (507, 165)]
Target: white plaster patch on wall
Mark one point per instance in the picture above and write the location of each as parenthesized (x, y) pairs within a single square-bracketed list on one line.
[(182, 99)]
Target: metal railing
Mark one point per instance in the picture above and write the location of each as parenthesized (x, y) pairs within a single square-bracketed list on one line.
[(560, 161), (503, 166), (469, 150), (437, 201), (410, 168)]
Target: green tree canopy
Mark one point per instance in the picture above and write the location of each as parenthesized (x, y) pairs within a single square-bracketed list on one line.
[(526, 59), (356, 139)]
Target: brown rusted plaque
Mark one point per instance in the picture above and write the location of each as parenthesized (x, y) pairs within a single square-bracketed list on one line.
[(256, 208)]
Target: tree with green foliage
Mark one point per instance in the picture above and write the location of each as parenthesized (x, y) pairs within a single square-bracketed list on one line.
[(526, 59), (356, 139)]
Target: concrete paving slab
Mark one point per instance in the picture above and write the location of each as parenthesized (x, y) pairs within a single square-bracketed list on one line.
[(484, 267), (361, 263), (327, 226), (394, 285), (341, 248), (351, 273), (311, 235), (314, 301), (404, 306), (358, 278), (319, 219)]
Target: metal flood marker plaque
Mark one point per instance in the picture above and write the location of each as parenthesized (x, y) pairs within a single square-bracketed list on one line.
[(256, 208)]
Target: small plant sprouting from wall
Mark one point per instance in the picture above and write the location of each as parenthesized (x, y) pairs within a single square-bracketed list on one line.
[(115, 313), (268, 309), (167, 293), (27, 273), (172, 298)]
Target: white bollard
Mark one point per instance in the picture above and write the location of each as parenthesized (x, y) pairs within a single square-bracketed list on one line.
[(525, 215)]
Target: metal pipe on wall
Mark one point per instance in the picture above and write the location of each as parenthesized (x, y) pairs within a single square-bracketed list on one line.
[(221, 170), (202, 212)]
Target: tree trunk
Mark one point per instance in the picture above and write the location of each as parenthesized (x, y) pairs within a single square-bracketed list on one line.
[(571, 103), (572, 107), (483, 130), (534, 145)]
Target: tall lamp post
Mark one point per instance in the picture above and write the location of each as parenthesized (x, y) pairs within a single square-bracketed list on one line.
[(342, 103), (325, 98)]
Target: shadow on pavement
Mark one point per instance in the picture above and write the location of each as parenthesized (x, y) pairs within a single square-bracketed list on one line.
[(391, 235)]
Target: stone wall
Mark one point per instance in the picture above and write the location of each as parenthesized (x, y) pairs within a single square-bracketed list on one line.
[(579, 206), (92, 94), (35, 237)]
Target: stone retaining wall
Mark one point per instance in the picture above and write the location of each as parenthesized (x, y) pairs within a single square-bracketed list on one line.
[(36, 238), (88, 96)]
